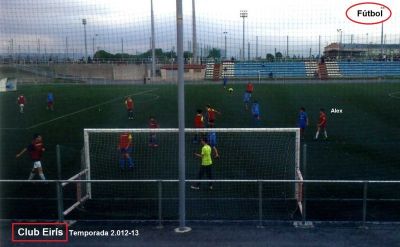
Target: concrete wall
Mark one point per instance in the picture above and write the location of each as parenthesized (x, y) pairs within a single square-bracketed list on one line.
[(103, 71), (129, 72), (191, 75), (84, 70)]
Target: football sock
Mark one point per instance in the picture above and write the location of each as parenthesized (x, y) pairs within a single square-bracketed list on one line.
[(130, 162), (122, 162), (31, 176)]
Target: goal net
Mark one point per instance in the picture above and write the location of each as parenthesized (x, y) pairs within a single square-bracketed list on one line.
[(246, 157)]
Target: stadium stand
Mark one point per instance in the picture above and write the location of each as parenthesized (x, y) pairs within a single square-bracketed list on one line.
[(330, 69), (311, 68), (209, 70), (333, 69), (369, 69), (228, 69), (278, 69)]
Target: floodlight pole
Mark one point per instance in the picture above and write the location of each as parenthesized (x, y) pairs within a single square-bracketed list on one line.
[(382, 41), (225, 45), (340, 42), (194, 41), (153, 44), (84, 22), (181, 120), (287, 46), (66, 48), (243, 14), (256, 47), (94, 50)]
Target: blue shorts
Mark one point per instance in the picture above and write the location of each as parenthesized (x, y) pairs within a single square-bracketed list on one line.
[(126, 150), (302, 126), (246, 97), (212, 140)]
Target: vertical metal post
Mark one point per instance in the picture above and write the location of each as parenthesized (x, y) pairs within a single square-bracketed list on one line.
[(319, 46), (287, 46), (260, 205), (87, 162), (84, 31), (153, 44), (60, 199), (66, 48), (365, 194), (225, 46), (248, 51), (382, 41), (93, 45), (160, 205), (243, 42), (181, 120), (256, 47), (194, 37), (304, 173)]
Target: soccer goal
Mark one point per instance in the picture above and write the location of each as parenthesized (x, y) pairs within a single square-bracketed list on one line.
[(247, 157)]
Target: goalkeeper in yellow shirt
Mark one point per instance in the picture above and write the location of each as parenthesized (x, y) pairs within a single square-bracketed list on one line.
[(206, 164)]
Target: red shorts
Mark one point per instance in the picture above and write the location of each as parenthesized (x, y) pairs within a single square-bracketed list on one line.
[(49, 103)]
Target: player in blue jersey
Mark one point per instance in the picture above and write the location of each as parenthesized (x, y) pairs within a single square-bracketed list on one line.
[(255, 111), (246, 100), (212, 140), (302, 121), (225, 81), (50, 101)]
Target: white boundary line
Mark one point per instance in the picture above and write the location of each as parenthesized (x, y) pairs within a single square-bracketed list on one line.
[(394, 95), (85, 109), (88, 108)]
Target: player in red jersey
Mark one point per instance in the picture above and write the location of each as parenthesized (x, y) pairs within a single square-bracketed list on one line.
[(321, 124), (249, 88), (21, 101), (125, 146), (153, 137), (129, 104), (198, 123), (35, 149), (211, 116)]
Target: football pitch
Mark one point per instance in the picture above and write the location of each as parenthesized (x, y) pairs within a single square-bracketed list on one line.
[(362, 143)]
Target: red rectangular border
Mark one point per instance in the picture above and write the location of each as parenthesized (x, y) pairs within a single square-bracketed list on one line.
[(38, 241)]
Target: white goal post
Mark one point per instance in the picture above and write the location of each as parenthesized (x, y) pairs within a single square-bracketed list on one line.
[(278, 144)]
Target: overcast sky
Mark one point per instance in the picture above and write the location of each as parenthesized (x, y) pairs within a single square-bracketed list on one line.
[(52, 24)]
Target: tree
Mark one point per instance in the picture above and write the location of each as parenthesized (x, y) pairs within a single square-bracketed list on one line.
[(214, 53), (278, 55), (270, 57), (103, 55), (187, 54)]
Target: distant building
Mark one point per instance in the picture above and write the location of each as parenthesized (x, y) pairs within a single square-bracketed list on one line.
[(362, 51)]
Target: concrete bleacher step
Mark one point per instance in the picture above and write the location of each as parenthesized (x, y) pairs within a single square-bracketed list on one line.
[(333, 69), (209, 71), (311, 68), (228, 69)]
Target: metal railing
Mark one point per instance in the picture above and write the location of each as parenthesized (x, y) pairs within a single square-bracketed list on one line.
[(365, 186)]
